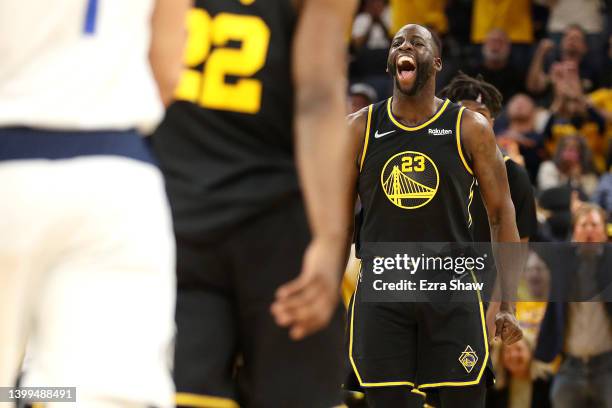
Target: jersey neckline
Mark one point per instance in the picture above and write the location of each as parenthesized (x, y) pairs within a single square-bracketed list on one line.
[(441, 109)]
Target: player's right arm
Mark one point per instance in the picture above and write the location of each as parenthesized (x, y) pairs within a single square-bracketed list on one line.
[(357, 127), (306, 304), (168, 37)]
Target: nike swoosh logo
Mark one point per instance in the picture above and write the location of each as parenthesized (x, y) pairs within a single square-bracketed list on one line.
[(379, 135)]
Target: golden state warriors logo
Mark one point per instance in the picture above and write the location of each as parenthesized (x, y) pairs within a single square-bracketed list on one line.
[(468, 359), (410, 179)]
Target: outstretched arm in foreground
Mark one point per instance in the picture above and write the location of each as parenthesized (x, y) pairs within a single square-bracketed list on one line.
[(306, 304)]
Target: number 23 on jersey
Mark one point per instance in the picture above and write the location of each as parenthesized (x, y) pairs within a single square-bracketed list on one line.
[(208, 46)]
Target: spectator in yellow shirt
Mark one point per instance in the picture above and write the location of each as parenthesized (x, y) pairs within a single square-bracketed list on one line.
[(426, 13), (512, 16)]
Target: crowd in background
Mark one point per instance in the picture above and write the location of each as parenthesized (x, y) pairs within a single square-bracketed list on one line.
[(552, 62)]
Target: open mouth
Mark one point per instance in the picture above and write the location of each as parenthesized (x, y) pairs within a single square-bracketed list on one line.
[(406, 67)]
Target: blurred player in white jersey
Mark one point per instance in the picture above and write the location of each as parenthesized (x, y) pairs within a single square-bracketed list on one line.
[(86, 245)]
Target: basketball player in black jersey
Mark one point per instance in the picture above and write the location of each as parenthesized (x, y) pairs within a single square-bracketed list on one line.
[(258, 281), (418, 160)]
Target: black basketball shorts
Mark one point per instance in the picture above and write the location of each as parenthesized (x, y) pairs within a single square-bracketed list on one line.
[(229, 350)]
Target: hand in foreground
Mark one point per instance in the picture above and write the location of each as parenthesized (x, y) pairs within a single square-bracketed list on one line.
[(507, 327), (307, 303)]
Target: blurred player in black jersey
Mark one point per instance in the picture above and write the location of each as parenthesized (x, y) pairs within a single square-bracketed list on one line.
[(418, 159), (260, 250)]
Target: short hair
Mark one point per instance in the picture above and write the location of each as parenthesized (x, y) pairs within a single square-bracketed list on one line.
[(587, 208), (466, 88)]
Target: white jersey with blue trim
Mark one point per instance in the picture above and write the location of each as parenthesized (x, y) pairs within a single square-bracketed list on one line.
[(77, 65)]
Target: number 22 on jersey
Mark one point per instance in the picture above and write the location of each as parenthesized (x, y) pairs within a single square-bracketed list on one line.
[(209, 45)]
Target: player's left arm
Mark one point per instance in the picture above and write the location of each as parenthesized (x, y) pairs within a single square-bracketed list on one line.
[(489, 169)]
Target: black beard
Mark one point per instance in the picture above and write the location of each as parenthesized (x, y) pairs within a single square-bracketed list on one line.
[(423, 73)]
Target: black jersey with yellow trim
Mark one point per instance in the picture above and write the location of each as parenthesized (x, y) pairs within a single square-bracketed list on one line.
[(226, 144), (415, 184)]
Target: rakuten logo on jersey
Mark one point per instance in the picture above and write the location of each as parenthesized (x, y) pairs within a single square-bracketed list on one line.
[(440, 132)]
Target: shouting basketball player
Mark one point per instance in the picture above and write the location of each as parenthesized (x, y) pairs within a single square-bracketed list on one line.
[(400, 351)]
